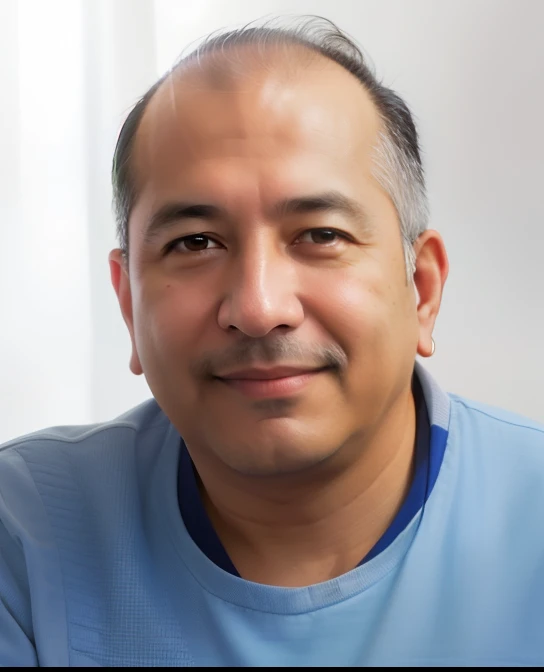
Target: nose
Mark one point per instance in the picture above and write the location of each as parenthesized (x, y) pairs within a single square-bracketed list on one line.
[(261, 294)]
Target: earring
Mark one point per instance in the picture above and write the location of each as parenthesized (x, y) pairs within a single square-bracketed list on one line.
[(433, 348)]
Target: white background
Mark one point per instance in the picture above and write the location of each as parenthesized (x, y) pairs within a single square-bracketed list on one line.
[(472, 71)]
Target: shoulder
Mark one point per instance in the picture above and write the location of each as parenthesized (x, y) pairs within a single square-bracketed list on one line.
[(497, 428), (69, 497), (499, 457), (59, 481), (77, 463), (46, 445)]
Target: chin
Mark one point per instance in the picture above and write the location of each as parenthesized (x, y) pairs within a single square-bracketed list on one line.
[(272, 456)]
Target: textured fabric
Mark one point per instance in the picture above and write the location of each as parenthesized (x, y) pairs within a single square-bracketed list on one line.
[(97, 567)]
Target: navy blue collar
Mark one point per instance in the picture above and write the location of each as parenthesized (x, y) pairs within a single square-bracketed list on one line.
[(195, 517), (203, 534)]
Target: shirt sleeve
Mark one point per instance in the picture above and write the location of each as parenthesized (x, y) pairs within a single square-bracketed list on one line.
[(16, 636), (33, 628)]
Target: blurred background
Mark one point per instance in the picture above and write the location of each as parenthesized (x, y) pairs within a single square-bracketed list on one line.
[(472, 72)]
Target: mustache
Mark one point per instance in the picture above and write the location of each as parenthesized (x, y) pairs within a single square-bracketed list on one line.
[(280, 351)]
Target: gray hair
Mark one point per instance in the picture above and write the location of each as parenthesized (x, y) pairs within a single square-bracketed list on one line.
[(397, 162)]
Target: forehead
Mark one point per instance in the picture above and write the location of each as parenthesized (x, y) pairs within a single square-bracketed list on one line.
[(255, 110)]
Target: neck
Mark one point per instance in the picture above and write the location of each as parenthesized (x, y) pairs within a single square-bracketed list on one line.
[(301, 529)]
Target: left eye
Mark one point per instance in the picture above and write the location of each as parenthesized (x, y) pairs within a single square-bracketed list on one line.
[(321, 236)]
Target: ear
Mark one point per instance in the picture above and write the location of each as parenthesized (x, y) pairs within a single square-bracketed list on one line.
[(429, 278), (121, 283)]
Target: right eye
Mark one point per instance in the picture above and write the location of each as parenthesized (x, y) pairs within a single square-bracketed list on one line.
[(195, 243)]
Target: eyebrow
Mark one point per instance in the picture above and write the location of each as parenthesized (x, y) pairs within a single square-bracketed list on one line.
[(330, 201), (171, 214)]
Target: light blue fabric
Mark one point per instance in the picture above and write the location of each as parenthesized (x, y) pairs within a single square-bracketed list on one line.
[(97, 568)]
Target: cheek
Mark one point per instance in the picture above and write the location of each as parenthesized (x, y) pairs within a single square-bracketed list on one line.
[(366, 314), (353, 307), (170, 320)]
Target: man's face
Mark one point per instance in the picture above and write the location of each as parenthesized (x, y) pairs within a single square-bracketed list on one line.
[(266, 292)]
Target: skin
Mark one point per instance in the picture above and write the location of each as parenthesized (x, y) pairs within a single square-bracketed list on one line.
[(298, 486)]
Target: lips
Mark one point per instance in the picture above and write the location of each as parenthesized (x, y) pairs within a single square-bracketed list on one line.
[(267, 374), (270, 383)]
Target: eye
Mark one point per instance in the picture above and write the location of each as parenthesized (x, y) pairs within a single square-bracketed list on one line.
[(322, 237), (197, 242)]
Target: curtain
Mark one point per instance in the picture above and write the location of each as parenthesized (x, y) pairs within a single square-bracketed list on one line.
[(69, 72)]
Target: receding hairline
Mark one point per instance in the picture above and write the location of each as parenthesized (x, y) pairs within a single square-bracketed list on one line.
[(227, 66), (222, 72), (228, 70)]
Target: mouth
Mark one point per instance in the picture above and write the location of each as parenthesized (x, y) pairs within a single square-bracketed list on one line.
[(277, 382)]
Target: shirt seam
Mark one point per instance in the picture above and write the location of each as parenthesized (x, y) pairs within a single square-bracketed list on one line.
[(16, 444), (495, 417)]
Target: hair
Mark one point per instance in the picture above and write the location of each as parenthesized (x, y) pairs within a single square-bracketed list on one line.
[(397, 161)]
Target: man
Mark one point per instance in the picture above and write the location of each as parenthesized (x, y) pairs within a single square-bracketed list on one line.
[(299, 491)]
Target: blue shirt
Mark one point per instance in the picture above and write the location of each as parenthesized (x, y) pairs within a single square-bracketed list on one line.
[(98, 569)]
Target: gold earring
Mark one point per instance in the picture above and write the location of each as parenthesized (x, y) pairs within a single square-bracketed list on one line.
[(433, 348)]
